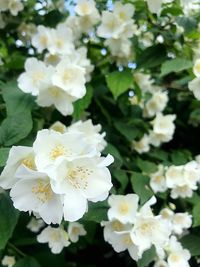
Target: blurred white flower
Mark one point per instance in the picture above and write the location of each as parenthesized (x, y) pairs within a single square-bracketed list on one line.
[(40, 39), (180, 222), (194, 86), (75, 230), (123, 208), (8, 261), (90, 133), (58, 127), (143, 145), (57, 238), (15, 6), (158, 180), (18, 156), (35, 225), (196, 68)]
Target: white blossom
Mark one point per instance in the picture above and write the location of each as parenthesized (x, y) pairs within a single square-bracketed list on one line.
[(57, 238), (75, 230), (35, 225), (143, 145), (157, 180), (194, 86), (8, 261), (123, 208)]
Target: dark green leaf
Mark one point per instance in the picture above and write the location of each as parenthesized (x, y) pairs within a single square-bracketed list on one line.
[(8, 219), (3, 156), (16, 101), (140, 185), (83, 103), (110, 149), (14, 128), (147, 257), (119, 82), (191, 242), (175, 65), (27, 262), (121, 177), (196, 215), (146, 166)]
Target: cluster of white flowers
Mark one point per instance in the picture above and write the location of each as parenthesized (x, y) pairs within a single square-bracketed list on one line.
[(138, 229), (61, 173), (194, 85), (58, 238), (60, 79), (182, 180), (163, 128), (155, 6), (14, 6), (117, 27)]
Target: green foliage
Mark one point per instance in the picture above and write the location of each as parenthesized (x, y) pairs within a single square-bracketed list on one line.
[(147, 257), (140, 185), (27, 262), (3, 156), (8, 219), (119, 82), (175, 65)]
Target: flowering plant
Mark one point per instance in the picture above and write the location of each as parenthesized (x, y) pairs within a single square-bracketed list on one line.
[(99, 134)]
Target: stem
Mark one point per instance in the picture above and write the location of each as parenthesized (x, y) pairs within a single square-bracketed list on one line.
[(16, 249)]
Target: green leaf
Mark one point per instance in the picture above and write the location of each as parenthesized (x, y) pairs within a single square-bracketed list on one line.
[(191, 242), (27, 262), (188, 23), (180, 157), (175, 65), (15, 128), (16, 101), (140, 185), (83, 103), (129, 131), (196, 215), (146, 166), (8, 219), (3, 156), (110, 149), (122, 178), (147, 257), (119, 82), (97, 212), (152, 56)]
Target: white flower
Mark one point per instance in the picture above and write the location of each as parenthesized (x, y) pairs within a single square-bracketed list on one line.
[(118, 235), (111, 26), (177, 256), (18, 156), (74, 23), (8, 261), (167, 214), (90, 132), (164, 124), (196, 68), (37, 76), (56, 96), (56, 238), (181, 221), (70, 77), (40, 40), (144, 81), (124, 12), (161, 263), (181, 191), (35, 225), (174, 176), (192, 174), (150, 230), (157, 180), (194, 86), (155, 6), (61, 40), (143, 145), (33, 193), (88, 13), (58, 127), (50, 146), (81, 180), (75, 230), (15, 6), (157, 103), (123, 208)]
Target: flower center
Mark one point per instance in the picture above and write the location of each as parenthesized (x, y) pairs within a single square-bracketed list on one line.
[(124, 208), (78, 177), (117, 226), (57, 151), (43, 191), (29, 162)]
